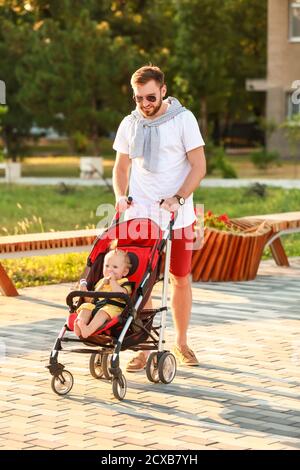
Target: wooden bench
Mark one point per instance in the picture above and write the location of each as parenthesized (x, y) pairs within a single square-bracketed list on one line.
[(41, 244), (230, 255), (282, 224)]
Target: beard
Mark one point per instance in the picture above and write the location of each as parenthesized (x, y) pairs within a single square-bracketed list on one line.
[(152, 110)]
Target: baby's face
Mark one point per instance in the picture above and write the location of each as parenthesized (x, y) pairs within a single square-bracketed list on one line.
[(114, 265)]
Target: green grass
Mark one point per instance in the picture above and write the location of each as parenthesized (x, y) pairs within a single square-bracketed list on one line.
[(236, 202), (44, 270), (59, 208), (27, 209)]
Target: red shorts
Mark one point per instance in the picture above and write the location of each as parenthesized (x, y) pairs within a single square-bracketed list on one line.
[(182, 250)]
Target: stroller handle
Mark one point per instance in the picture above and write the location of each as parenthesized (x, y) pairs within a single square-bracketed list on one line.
[(117, 215), (96, 295), (173, 217)]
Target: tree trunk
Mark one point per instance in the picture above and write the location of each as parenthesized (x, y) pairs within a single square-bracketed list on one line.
[(203, 121), (96, 143), (95, 132)]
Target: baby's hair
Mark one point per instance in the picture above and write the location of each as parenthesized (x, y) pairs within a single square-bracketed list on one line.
[(125, 257), (113, 245)]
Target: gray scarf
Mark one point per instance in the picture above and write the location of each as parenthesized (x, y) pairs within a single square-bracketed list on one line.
[(144, 137)]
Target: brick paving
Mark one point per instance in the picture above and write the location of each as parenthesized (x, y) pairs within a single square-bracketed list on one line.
[(244, 395)]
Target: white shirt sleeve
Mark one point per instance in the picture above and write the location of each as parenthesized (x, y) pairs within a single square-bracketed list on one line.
[(121, 143), (191, 135)]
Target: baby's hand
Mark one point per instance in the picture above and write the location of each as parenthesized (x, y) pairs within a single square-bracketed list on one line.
[(82, 284)]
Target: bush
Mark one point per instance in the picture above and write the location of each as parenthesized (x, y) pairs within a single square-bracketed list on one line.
[(216, 159), (258, 190), (80, 142), (263, 159)]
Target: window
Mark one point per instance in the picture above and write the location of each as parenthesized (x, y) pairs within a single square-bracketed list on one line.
[(294, 21)]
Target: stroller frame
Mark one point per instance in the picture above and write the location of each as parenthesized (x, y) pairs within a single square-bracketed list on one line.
[(104, 360)]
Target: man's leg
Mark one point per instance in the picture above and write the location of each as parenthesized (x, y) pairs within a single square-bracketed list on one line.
[(181, 295), (181, 304), (139, 360)]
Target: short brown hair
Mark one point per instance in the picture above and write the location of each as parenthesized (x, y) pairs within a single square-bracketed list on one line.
[(147, 73)]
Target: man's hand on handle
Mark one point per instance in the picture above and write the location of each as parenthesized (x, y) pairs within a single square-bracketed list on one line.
[(171, 204), (122, 204)]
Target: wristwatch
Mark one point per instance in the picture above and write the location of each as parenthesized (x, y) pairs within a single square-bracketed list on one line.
[(180, 199)]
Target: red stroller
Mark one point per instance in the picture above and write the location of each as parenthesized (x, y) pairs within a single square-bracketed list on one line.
[(133, 329)]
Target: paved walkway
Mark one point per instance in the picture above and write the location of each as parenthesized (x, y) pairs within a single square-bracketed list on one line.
[(244, 395), (206, 183)]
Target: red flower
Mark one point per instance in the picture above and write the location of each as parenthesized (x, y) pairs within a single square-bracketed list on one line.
[(223, 218)]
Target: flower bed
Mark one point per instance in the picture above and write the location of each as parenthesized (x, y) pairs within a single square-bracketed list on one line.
[(229, 253)]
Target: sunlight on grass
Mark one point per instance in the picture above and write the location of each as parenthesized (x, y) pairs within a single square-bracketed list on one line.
[(28, 209), (53, 269)]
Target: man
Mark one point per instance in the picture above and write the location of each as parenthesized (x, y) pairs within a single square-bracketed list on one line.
[(161, 143)]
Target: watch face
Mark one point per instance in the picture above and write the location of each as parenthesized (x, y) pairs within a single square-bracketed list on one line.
[(180, 199)]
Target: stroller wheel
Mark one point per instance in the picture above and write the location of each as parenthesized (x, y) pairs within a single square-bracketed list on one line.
[(62, 383), (99, 365), (106, 360), (152, 368), (119, 387), (96, 368), (166, 368)]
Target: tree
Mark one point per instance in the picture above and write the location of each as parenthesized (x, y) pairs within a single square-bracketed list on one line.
[(16, 122), (218, 46), (70, 76), (202, 56)]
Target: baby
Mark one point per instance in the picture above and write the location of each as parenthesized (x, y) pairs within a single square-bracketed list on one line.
[(116, 267)]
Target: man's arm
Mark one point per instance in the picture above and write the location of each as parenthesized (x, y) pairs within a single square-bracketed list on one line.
[(196, 157), (121, 174), (197, 161)]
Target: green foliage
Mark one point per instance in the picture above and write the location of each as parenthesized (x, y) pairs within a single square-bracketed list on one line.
[(217, 161), (80, 142), (67, 64), (263, 159), (36, 271), (291, 129), (3, 111), (14, 43), (209, 47), (63, 212), (257, 189), (58, 210)]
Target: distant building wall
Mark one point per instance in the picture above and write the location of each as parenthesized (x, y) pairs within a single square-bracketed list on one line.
[(283, 68)]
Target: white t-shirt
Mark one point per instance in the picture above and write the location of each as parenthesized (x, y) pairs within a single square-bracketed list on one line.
[(177, 137)]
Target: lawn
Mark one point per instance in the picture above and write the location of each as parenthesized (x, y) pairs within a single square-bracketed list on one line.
[(62, 207), (55, 159), (28, 209), (68, 166)]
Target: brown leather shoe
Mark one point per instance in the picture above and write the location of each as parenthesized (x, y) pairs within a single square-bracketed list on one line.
[(185, 356), (137, 363)]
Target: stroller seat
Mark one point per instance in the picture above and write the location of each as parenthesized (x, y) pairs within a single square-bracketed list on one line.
[(139, 259)]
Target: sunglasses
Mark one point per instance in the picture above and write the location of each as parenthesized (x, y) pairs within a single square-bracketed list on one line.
[(150, 98)]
